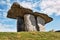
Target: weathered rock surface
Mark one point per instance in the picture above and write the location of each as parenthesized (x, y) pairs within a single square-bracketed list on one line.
[(44, 16), (17, 10), (30, 23), (20, 24), (41, 23)]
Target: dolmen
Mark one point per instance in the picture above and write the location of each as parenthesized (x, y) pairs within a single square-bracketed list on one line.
[(27, 20)]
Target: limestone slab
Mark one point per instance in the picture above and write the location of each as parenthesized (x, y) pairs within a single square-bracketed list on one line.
[(30, 23), (41, 23)]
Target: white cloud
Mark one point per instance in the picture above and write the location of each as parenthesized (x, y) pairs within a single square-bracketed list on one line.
[(8, 2), (35, 10), (2, 10), (50, 6), (7, 28), (3, 13), (36, 4), (26, 4), (2, 2)]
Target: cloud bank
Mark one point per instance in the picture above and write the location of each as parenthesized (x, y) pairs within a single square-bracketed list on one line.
[(50, 6), (7, 28), (6, 24)]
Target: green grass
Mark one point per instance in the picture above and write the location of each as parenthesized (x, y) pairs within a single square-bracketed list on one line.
[(29, 36)]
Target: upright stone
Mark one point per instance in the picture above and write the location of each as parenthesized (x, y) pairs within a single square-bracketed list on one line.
[(20, 24), (41, 23), (30, 23)]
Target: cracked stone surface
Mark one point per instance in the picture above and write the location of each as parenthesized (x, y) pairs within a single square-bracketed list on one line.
[(20, 24), (41, 23), (30, 23)]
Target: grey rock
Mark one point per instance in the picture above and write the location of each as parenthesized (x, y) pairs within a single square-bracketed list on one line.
[(30, 23), (20, 24), (41, 23)]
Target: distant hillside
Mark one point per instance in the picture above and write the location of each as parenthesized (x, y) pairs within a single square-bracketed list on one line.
[(29, 36)]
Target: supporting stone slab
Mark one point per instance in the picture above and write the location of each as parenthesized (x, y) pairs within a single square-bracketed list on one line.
[(20, 24), (30, 23), (41, 23)]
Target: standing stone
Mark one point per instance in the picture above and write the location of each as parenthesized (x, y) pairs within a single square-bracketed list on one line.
[(41, 23), (30, 23), (20, 24)]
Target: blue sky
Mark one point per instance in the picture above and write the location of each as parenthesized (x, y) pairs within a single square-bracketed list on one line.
[(49, 7)]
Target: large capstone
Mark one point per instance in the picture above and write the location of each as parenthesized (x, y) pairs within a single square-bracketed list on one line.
[(17, 10), (30, 23)]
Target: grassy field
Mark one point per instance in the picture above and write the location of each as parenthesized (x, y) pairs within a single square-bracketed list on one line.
[(29, 36)]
